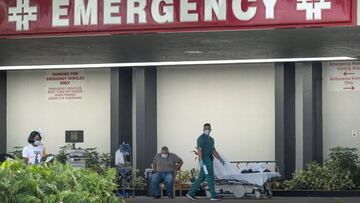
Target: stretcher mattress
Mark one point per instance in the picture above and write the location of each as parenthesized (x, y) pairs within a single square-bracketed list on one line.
[(231, 172)]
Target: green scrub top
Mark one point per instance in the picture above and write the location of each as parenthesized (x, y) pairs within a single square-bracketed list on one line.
[(206, 143)]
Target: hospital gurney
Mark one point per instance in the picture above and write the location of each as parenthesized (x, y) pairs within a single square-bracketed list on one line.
[(230, 182)]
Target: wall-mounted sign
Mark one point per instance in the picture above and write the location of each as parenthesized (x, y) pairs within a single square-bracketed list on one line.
[(343, 76), (63, 85), (45, 17)]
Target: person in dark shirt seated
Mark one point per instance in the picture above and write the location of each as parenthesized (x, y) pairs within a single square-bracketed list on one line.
[(165, 167)]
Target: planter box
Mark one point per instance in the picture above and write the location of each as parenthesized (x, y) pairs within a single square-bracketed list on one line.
[(315, 193)]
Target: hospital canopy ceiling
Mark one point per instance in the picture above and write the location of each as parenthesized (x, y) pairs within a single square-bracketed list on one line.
[(229, 45)]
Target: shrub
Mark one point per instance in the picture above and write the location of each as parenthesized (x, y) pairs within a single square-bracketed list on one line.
[(99, 162), (347, 159), (187, 176), (17, 153), (339, 172), (131, 177), (63, 153), (184, 176), (276, 184), (317, 177), (55, 182)]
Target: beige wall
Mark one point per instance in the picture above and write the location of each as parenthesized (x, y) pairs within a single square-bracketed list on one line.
[(238, 100), (341, 115), (28, 109)]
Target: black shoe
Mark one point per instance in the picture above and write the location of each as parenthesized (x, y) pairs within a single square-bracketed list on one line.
[(171, 197), (215, 199), (157, 197), (191, 196)]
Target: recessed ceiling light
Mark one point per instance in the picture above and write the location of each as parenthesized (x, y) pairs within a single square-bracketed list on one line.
[(176, 63), (194, 52)]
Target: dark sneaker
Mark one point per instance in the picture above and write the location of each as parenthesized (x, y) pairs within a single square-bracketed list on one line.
[(157, 197), (215, 199), (171, 197), (191, 196)]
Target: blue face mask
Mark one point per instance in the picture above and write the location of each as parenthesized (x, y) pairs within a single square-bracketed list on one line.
[(37, 142), (207, 132)]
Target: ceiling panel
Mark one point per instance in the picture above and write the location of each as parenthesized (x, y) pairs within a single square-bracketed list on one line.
[(160, 47)]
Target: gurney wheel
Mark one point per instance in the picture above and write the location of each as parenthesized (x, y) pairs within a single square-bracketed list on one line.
[(239, 191), (257, 194)]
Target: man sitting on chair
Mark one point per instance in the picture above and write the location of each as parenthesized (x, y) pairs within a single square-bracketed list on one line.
[(165, 167)]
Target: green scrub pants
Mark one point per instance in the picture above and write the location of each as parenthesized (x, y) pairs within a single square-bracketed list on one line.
[(210, 179)]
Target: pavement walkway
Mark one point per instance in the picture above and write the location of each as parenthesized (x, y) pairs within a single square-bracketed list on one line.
[(273, 200)]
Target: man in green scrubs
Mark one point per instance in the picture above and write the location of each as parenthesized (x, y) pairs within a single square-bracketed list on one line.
[(206, 152)]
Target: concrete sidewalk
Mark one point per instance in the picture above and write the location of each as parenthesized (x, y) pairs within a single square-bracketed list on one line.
[(273, 200)]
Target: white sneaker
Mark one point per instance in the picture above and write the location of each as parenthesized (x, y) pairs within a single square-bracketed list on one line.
[(215, 199), (191, 197)]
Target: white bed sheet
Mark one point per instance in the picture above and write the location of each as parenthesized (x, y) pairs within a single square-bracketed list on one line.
[(231, 172)]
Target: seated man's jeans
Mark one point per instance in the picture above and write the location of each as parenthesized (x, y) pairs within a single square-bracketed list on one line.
[(167, 178)]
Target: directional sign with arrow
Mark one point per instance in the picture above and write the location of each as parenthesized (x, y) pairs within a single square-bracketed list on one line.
[(352, 88), (342, 76), (347, 74)]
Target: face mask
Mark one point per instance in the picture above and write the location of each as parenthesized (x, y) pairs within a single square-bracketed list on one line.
[(37, 142), (207, 132), (164, 156)]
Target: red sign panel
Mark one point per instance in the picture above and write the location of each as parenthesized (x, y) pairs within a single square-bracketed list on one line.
[(45, 17)]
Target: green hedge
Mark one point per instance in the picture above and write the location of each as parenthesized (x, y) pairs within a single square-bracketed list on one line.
[(48, 183), (340, 172)]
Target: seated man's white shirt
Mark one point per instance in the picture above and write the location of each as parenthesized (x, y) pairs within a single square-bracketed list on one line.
[(31, 153)]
